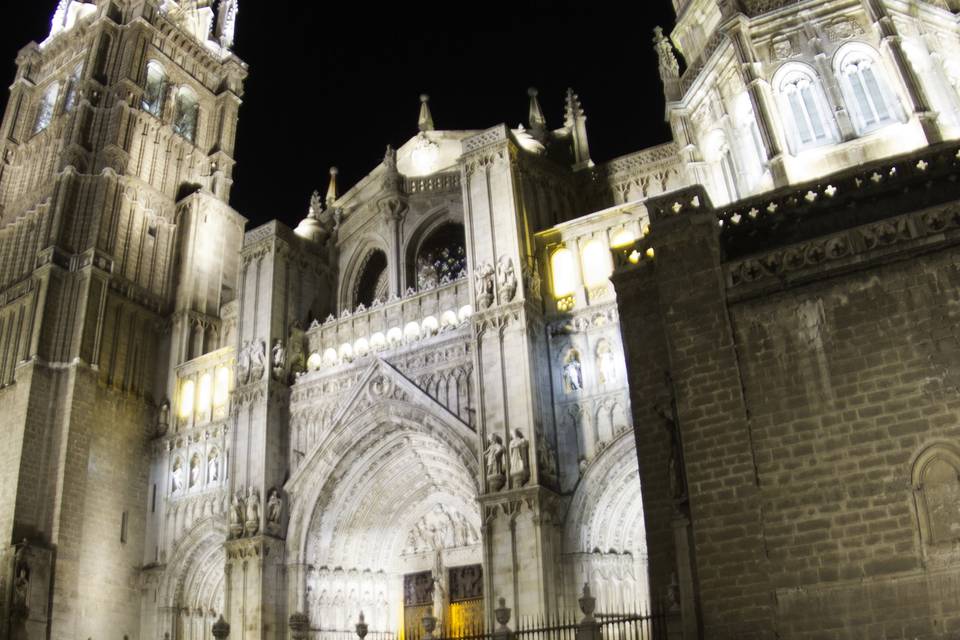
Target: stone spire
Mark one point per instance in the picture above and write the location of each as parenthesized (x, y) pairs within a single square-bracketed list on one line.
[(227, 22), (668, 65), (332, 189), (575, 121), (425, 123), (536, 120)]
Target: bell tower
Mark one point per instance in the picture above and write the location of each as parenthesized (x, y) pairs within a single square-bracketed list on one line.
[(118, 259)]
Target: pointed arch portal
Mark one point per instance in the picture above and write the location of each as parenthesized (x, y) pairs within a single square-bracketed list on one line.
[(385, 516)]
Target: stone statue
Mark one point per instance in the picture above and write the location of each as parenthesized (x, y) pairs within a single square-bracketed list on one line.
[(507, 279), (194, 472), (519, 459), (258, 359), (253, 512), (494, 460), (669, 67), (177, 477), (237, 511), (274, 508), (213, 468), (676, 474), (484, 285), (243, 363), (606, 363), (163, 419), (573, 373), (21, 580), (390, 157), (279, 360)]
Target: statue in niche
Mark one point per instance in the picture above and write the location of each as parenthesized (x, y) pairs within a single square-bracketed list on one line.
[(279, 360), (243, 363), (258, 359), (484, 285), (21, 581), (494, 459), (427, 276), (606, 363), (237, 512), (676, 473), (253, 512), (507, 279), (572, 372), (390, 157), (274, 508), (163, 419), (194, 471), (548, 458), (519, 459), (669, 67), (213, 467), (176, 476), (531, 280)]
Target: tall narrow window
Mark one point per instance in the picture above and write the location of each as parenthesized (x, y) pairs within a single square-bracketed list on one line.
[(154, 90), (73, 89), (871, 102), (803, 107), (45, 110), (563, 267), (186, 114)]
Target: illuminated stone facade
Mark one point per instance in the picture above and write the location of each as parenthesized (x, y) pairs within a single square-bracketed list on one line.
[(418, 399)]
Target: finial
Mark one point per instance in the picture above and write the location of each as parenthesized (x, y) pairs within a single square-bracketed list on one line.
[(332, 189), (669, 67), (537, 120), (425, 123), (575, 121)]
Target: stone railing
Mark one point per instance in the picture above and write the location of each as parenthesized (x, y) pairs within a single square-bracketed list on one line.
[(416, 316), (438, 182)]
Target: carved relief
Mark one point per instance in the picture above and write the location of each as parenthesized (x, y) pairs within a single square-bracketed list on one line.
[(484, 282), (842, 29), (506, 279)]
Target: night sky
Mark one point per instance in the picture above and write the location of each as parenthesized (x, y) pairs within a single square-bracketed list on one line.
[(333, 84)]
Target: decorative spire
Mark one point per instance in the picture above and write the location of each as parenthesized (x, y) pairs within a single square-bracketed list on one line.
[(669, 67), (536, 120), (575, 121), (227, 22), (332, 189), (425, 123)]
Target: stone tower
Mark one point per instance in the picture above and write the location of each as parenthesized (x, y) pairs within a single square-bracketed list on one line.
[(118, 259)]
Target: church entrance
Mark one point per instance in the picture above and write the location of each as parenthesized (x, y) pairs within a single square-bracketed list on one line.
[(391, 524)]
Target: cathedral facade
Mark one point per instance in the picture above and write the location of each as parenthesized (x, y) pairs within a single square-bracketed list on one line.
[(419, 400)]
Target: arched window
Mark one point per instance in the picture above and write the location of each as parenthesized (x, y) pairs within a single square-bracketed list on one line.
[(871, 102), (373, 283), (597, 263), (442, 257), (154, 89), (806, 114), (73, 89), (186, 114), (720, 158), (46, 108), (564, 270), (936, 485)]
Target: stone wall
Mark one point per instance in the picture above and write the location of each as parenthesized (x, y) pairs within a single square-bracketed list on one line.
[(817, 403)]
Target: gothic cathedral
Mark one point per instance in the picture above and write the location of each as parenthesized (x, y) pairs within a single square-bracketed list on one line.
[(417, 400)]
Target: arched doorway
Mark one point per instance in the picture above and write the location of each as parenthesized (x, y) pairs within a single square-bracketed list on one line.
[(605, 539), (385, 518), (191, 593)]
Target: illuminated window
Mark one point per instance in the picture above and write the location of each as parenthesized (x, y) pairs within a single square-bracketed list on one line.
[(205, 395), (804, 108), (154, 90), (622, 238), (222, 390), (597, 263), (564, 270), (48, 103), (187, 392), (871, 102), (186, 114)]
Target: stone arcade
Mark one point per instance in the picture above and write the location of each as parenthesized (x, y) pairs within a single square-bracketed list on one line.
[(419, 400)]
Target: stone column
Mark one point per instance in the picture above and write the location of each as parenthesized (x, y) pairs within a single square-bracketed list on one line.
[(891, 44)]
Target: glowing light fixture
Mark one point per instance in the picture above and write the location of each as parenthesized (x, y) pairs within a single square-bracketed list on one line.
[(330, 356), (361, 347), (395, 336), (411, 331), (465, 312), (430, 325), (378, 341), (314, 361)]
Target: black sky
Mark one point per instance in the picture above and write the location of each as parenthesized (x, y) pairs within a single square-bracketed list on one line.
[(334, 83)]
